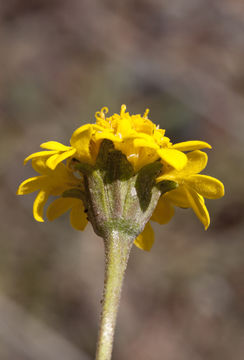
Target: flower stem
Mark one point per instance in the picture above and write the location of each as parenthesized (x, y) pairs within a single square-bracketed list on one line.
[(117, 250)]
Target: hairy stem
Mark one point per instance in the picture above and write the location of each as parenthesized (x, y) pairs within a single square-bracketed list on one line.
[(117, 250)]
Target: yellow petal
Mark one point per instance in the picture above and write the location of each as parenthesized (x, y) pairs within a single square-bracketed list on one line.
[(191, 145), (142, 124), (198, 206), (174, 158), (196, 162), (178, 197), (207, 186), (78, 218), (140, 157), (109, 136), (54, 145), (54, 160), (58, 207), (124, 126), (163, 212), (80, 140), (133, 134), (39, 154), (30, 185), (145, 143), (38, 205), (76, 134), (39, 165), (145, 240)]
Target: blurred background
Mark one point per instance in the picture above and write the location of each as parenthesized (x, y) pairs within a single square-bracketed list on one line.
[(60, 62)]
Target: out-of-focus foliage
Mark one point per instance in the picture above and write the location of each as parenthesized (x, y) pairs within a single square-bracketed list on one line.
[(60, 62)]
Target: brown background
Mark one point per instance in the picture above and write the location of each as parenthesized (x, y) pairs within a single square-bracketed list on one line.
[(60, 61)]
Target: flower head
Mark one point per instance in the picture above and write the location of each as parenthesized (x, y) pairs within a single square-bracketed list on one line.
[(126, 161)]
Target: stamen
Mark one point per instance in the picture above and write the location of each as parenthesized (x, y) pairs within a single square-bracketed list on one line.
[(146, 113), (103, 111), (122, 111), (97, 115), (100, 115)]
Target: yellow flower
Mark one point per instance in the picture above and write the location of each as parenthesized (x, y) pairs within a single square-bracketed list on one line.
[(54, 182), (134, 135), (143, 143), (120, 174)]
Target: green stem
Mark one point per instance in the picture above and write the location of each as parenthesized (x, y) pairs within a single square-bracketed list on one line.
[(117, 250)]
